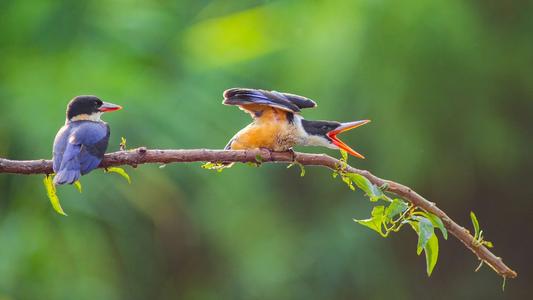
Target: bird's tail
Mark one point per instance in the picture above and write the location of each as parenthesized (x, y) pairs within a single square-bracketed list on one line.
[(66, 177)]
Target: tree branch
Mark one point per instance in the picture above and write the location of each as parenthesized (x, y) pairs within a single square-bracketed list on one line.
[(142, 156)]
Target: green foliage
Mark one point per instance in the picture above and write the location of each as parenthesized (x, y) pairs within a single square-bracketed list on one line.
[(77, 185), (437, 222), (122, 144), (119, 171), (431, 249), (396, 213), (424, 229), (216, 166), (427, 241), (478, 233), (52, 194), (376, 222), (475, 223), (352, 180), (395, 208)]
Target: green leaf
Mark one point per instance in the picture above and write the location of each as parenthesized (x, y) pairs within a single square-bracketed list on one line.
[(395, 208), (302, 170), (120, 172), (437, 222), (488, 244), (425, 231), (376, 221), (52, 194), (219, 167), (344, 156), (348, 180), (361, 182), (432, 253), (122, 144), (475, 223), (364, 184), (77, 184)]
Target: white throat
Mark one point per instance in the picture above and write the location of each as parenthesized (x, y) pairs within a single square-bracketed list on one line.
[(306, 139), (95, 117)]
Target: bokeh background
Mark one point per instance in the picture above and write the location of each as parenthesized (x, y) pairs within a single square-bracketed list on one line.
[(448, 85)]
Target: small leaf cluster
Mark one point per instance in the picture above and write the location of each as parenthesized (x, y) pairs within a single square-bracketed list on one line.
[(478, 233), (119, 171), (216, 166), (391, 213), (479, 241)]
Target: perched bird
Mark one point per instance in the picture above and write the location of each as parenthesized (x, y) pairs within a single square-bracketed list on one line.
[(80, 144), (278, 126)]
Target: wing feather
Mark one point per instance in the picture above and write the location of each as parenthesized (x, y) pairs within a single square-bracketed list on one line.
[(78, 149), (284, 101)]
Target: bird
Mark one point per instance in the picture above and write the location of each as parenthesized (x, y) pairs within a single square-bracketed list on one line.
[(278, 125), (79, 145)]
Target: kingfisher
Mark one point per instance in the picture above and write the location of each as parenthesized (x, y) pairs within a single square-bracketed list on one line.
[(80, 144), (278, 125)]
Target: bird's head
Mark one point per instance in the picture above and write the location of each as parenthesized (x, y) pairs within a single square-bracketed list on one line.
[(324, 133), (88, 108)]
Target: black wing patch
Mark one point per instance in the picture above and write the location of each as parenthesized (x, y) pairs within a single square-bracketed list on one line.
[(284, 101)]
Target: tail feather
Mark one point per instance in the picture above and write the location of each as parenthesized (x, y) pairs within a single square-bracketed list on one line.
[(66, 177)]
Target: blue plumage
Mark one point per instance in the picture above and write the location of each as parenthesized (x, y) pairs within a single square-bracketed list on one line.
[(79, 148), (80, 145), (285, 101)]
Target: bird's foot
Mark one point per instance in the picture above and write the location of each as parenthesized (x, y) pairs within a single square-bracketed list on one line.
[(293, 154), (268, 151), (266, 154)]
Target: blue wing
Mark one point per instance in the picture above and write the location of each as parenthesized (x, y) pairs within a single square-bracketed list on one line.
[(78, 149), (69, 169), (284, 101)]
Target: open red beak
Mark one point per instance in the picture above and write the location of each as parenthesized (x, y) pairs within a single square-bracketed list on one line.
[(107, 107), (345, 127)]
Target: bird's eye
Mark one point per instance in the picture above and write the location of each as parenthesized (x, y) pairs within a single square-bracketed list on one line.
[(98, 103)]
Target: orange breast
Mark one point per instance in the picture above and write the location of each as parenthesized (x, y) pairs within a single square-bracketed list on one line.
[(269, 130)]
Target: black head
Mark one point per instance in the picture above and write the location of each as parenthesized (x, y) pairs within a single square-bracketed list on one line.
[(324, 133), (320, 128), (88, 105)]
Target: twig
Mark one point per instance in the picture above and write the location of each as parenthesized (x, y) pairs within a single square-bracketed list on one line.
[(142, 156)]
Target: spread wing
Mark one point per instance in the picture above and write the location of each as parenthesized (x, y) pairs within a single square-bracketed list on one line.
[(245, 97)]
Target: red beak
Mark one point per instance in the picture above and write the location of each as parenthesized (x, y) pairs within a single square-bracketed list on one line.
[(345, 127), (107, 107)]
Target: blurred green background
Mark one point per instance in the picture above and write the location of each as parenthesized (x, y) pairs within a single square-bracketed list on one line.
[(448, 85)]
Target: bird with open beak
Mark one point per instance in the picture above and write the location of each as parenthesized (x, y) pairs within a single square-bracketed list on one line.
[(80, 144), (278, 126)]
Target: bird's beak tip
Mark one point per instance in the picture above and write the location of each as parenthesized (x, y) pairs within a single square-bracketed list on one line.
[(342, 128), (107, 107)]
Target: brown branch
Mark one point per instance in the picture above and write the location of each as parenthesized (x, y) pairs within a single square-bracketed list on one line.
[(142, 156)]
